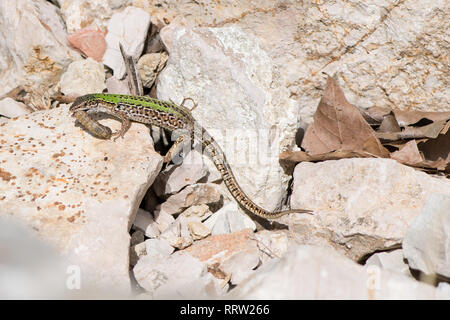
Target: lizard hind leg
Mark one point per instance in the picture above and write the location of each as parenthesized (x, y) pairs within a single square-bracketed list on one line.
[(178, 150)]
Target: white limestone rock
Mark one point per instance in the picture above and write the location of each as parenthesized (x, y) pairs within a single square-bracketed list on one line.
[(78, 192), (155, 247), (145, 222), (310, 272), (360, 205), (172, 277), (129, 28), (427, 243), (392, 261), (33, 45), (11, 108), (229, 219), (178, 234), (79, 14), (82, 77), (192, 195), (150, 65), (174, 178)]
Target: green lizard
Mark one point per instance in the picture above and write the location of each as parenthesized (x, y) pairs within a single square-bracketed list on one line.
[(169, 116)]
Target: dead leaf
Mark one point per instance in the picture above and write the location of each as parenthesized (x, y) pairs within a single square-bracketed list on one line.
[(338, 125), (389, 124), (299, 156), (431, 130), (407, 118), (408, 154)]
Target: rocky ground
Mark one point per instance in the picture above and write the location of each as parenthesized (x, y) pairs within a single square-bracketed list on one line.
[(85, 217)]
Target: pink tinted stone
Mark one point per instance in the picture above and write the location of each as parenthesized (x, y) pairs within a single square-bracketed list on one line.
[(90, 41)]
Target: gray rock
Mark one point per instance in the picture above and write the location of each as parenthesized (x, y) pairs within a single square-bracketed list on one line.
[(392, 261), (144, 222), (360, 205), (309, 272), (11, 108), (78, 192), (172, 277), (427, 242)]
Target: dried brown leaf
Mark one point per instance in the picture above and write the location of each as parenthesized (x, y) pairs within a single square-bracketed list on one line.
[(406, 118), (299, 156), (338, 125), (408, 154)]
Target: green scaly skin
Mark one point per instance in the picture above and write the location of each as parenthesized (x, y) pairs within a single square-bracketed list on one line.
[(170, 116)]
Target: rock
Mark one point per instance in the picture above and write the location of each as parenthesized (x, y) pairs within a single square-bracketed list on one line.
[(272, 244), (31, 269), (169, 277), (137, 237), (158, 247), (175, 178), (79, 14), (197, 213), (144, 222), (115, 85), (178, 234), (136, 252), (129, 28), (229, 219), (216, 249), (309, 272), (360, 205), (77, 192), (241, 265), (244, 71), (392, 261), (198, 230), (11, 108), (163, 220), (196, 194), (427, 242), (90, 41), (150, 65), (82, 77), (33, 45), (239, 86)]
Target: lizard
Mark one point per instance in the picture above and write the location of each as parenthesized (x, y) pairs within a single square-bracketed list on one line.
[(170, 116)]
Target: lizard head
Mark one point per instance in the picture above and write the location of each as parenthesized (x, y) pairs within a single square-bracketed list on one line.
[(82, 103)]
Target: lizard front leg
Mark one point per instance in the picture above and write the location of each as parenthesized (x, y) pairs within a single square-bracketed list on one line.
[(125, 124)]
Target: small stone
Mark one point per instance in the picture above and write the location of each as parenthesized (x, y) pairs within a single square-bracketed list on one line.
[(392, 261), (158, 247), (427, 242), (129, 28), (170, 277), (241, 265), (229, 219), (150, 65), (11, 108), (117, 86), (198, 230), (144, 222), (136, 237), (177, 234), (196, 194), (272, 244), (163, 219), (136, 252), (82, 77), (200, 212), (90, 41), (175, 178)]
